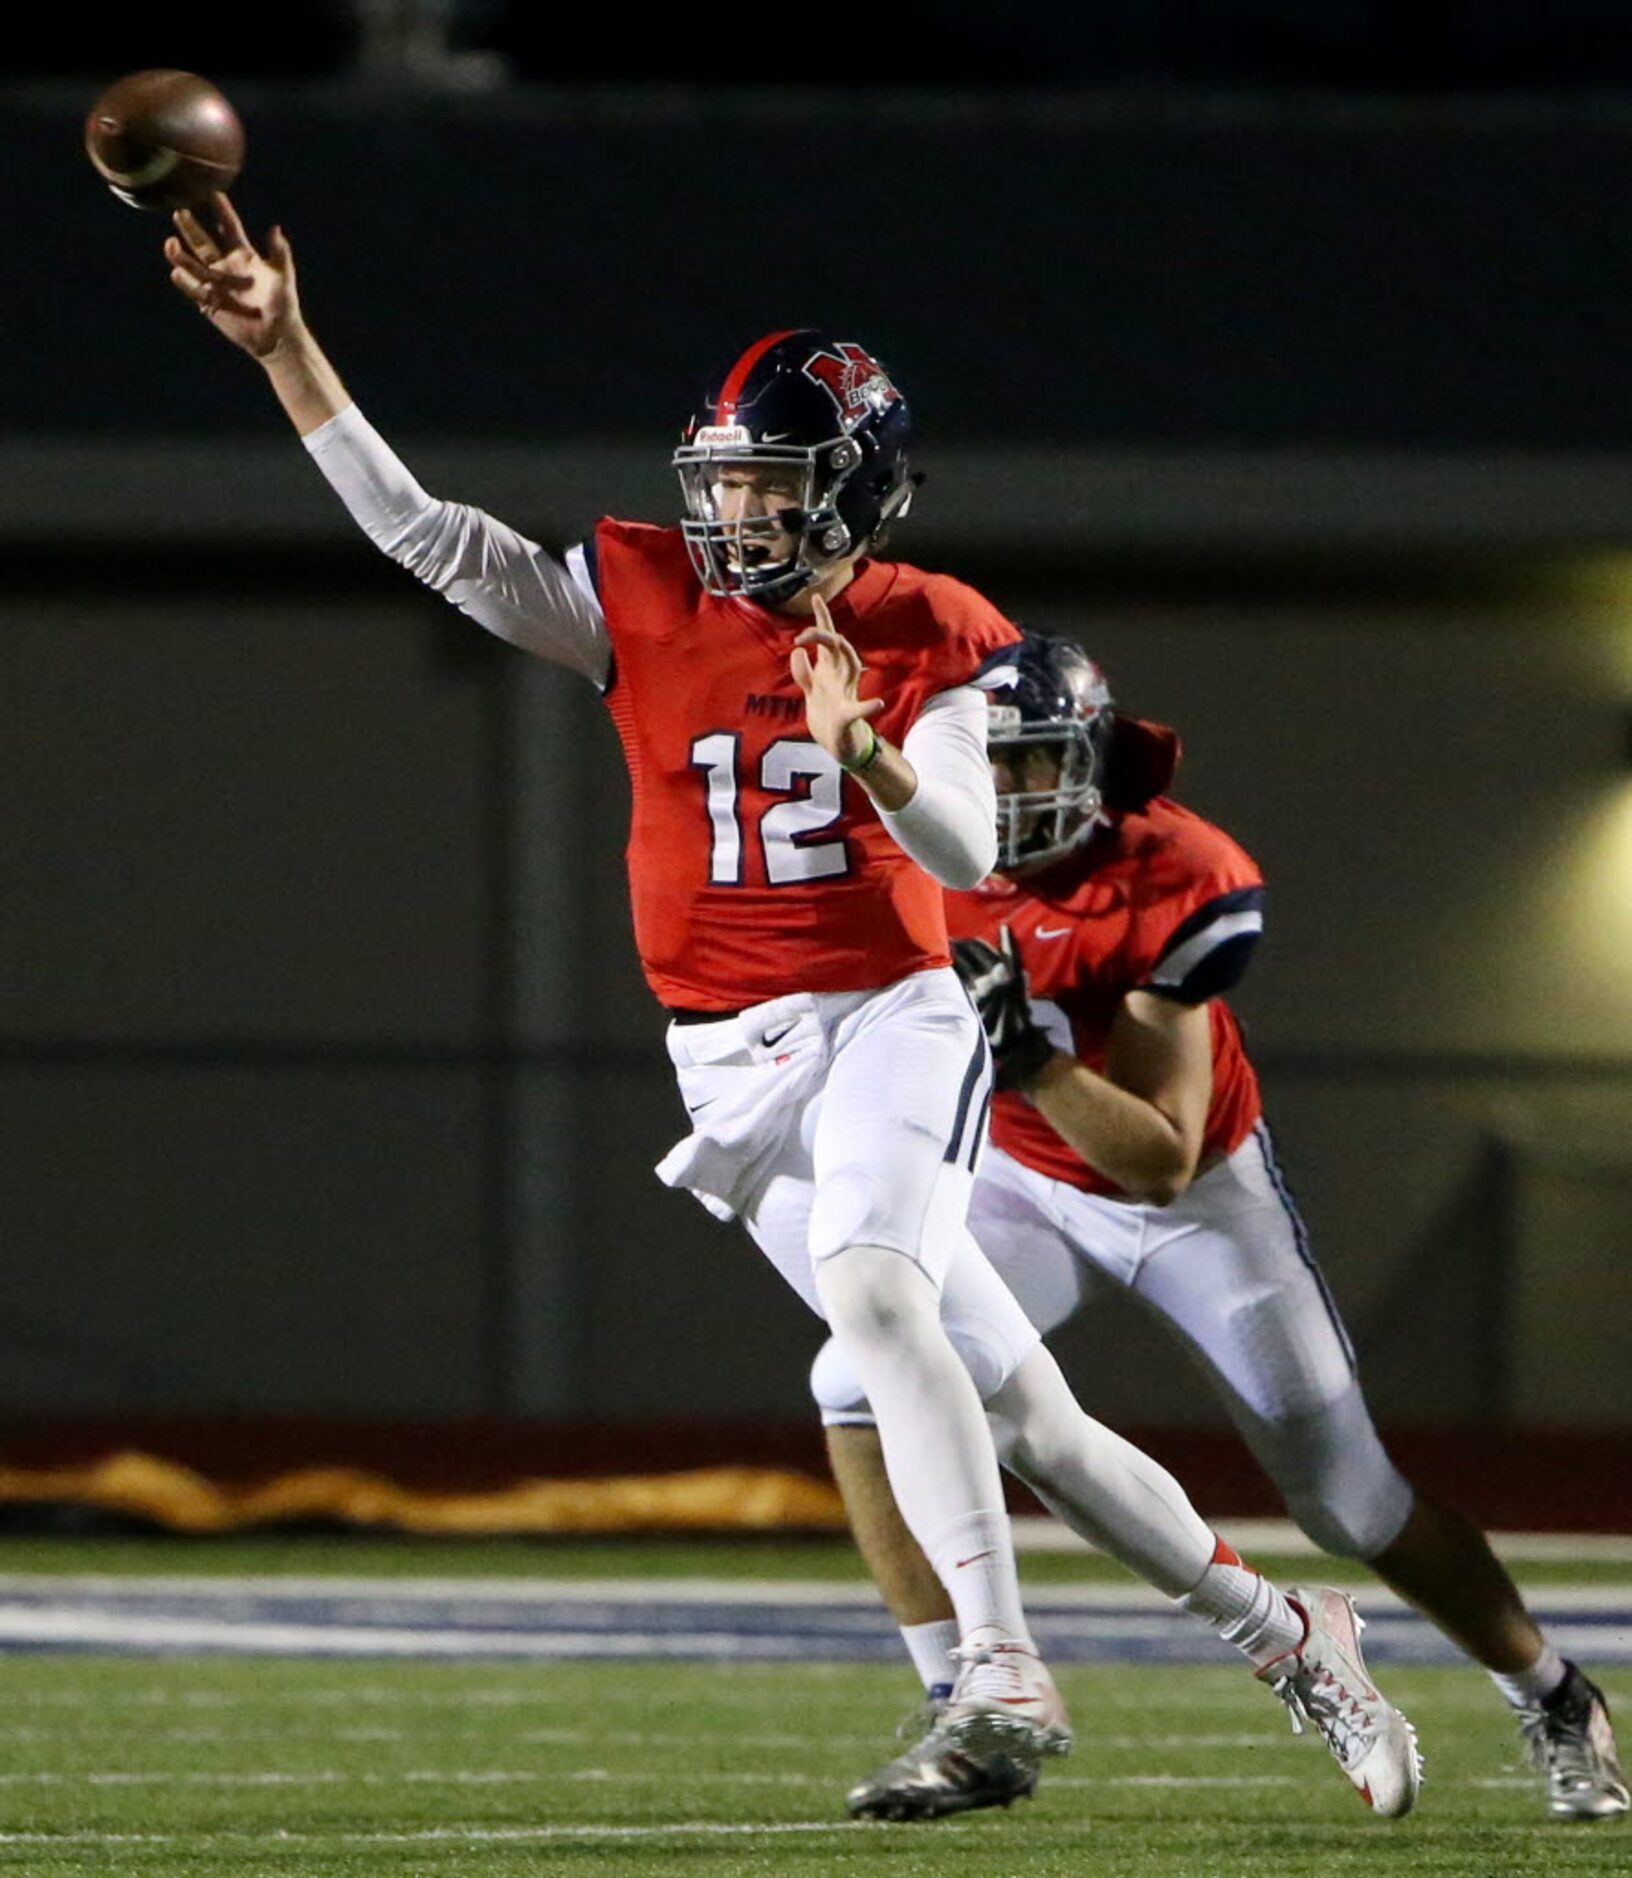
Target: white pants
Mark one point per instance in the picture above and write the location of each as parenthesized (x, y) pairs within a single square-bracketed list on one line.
[(843, 1130), (1228, 1266), (829, 1119)]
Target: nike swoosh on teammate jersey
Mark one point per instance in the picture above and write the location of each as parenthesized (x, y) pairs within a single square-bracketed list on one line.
[(1051, 932), (774, 1037)]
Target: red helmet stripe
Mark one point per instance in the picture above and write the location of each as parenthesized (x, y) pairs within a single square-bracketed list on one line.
[(726, 405)]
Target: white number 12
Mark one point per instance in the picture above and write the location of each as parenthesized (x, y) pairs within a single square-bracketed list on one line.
[(785, 829)]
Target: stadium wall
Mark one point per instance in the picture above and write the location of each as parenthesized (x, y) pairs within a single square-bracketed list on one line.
[(329, 1085)]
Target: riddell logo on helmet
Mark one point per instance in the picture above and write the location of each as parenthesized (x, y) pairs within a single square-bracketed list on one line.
[(853, 379)]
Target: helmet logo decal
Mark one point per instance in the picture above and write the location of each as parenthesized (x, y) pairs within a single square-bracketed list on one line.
[(853, 379), (716, 434)]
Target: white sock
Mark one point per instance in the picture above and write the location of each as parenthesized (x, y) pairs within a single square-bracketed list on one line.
[(973, 1557), (930, 1646), (1527, 1688), (938, 1449), (1245, 1609)]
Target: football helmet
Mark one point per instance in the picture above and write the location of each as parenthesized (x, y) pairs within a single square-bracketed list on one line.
[(826, 412), (1050, 695)]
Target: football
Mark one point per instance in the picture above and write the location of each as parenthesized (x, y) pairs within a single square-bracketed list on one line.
[(164, 140)]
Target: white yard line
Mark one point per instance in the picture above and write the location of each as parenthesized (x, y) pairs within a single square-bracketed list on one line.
[(477, 1834), (555, 1775), (323, 1777), (435, 1835)]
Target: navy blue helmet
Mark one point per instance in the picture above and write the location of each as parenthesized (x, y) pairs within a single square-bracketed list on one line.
[(1055, 697), (1048, 693), (822, 410)]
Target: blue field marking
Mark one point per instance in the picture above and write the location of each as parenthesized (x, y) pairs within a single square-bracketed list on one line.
[(701, 1621)]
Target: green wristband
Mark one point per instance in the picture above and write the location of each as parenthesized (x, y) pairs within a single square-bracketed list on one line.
[(867, 762)]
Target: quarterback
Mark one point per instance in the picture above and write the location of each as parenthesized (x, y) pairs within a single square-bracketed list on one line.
[(789, 842), (1129, 1151)]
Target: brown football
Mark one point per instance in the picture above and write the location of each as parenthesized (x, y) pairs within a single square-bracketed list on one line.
[(164, 140)]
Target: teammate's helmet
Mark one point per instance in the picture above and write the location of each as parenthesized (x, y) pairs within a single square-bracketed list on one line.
[(1055, 697), (825, 410)]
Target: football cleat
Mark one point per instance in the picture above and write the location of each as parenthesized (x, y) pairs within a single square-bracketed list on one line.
[(1004, 1703), (1324, 1683), (1570, 1740), (933, 1777)]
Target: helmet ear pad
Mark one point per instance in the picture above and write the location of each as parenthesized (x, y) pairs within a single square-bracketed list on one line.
[(878, 488)]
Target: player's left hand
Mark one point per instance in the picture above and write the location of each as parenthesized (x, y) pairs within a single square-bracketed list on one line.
[(828, 669), (996, 982)]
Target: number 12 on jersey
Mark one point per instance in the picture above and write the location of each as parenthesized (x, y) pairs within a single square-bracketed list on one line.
[(792, 767)]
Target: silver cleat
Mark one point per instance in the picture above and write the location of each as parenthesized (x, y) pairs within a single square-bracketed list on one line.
[(934, 1777), (1569, 1738)]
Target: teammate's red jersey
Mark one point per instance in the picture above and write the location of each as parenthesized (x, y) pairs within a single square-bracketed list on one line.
[(1158, 901), (756, 866)]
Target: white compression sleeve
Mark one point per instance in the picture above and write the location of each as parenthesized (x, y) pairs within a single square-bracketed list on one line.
[(1103, 1487), (937, 1450), (950, 825), (505, 582)]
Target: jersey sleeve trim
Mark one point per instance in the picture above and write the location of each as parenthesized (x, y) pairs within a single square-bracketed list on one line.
[(999, 669), (1209, 952), (583, 562)]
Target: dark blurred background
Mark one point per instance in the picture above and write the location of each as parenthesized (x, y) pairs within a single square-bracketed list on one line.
[(1278, 352)]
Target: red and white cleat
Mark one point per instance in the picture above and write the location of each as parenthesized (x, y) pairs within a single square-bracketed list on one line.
[(1324, 1683), (1004, 1702)]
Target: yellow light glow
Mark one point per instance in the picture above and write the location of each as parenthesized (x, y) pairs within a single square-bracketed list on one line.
[(1592, 891)]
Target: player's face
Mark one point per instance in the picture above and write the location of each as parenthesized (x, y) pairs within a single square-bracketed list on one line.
[(1026, 768), (752, 496)]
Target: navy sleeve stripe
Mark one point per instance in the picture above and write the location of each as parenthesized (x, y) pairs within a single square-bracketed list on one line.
[(583, 562), (1191, 967), (1221, 970), (1240, 899), (998, 669)]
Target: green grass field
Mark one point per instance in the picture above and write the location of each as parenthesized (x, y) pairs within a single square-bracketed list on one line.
[(831, 1560), (230, 1767)]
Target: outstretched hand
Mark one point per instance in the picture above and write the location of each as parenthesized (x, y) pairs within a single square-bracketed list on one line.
[(828, 669), (248, 297)]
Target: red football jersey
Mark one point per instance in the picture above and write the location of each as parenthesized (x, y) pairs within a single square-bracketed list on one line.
[(1158, 901), (756, 866)]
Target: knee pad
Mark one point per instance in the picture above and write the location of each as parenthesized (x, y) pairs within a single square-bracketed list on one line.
[(837, 1389), (839, 1395), (1336, 1477), (851, 1207)]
